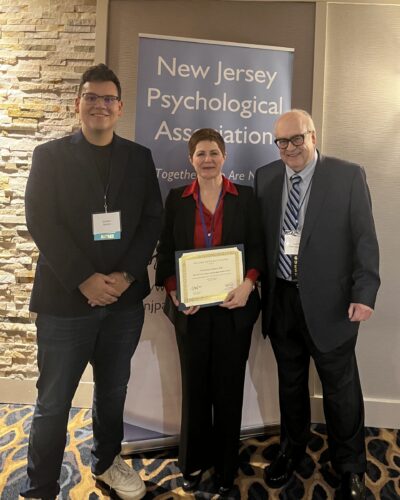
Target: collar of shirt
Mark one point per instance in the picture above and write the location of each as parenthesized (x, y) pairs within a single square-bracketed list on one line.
[(227, 187), (307, 172)]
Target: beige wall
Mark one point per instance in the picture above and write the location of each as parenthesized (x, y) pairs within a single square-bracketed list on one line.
[(361, 122), (44, 48), (283, 24)]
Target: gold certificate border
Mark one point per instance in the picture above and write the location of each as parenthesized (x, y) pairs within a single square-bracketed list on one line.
[(236, 251)]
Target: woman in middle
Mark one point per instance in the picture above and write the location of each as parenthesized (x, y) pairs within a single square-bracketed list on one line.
[(213, 341)]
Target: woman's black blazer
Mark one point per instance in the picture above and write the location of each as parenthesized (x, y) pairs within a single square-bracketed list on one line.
[(241, 224)]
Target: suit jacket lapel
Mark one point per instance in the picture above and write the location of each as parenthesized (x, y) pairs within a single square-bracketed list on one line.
[(273, 212), (189, 210), (318, 191), (231, 204)]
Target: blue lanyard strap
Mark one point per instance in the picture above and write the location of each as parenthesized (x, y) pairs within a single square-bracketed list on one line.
[(207, 234)]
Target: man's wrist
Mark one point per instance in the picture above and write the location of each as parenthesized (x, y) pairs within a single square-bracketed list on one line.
[(128, 277)]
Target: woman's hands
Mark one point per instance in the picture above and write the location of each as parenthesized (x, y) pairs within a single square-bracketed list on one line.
[(236, 298), (239, 296), (189, 310)]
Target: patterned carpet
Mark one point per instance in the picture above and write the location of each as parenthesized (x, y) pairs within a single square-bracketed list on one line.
[(314, 479)]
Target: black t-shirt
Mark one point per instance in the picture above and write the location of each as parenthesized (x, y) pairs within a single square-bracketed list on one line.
[(102, 160)]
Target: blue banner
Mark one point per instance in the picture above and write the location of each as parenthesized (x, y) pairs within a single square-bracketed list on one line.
[(187, 84), (184, 85)]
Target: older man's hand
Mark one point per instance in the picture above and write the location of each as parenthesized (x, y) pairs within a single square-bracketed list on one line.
[(359, 312)]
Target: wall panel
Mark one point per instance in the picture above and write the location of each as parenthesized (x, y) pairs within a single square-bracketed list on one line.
[(361, 122)]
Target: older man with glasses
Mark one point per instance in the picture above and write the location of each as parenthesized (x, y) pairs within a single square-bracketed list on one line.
[(321, 281), (93, 208)]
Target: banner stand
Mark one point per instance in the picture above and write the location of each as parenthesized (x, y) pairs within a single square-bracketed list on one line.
[(240, 90)]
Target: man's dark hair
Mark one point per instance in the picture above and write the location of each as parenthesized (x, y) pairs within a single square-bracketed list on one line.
[(99, 73)]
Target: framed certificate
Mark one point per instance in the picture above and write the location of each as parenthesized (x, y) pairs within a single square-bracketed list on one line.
[(205, 277)]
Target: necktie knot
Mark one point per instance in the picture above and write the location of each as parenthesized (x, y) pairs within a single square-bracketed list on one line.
[(295, 179)]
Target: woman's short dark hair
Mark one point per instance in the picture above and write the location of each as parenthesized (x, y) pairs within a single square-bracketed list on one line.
[(205, 134), (100, 73)]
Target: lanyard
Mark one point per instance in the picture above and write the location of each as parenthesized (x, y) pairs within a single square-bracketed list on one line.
[(106, 189), (107, 186), (106, 194), (207, 235)]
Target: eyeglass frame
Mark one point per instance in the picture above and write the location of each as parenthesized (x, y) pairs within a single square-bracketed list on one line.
[(114, 98), (290, 139)]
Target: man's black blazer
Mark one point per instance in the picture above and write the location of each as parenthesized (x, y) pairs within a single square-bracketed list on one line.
[(240, 225), (64, 189), (338, 257)]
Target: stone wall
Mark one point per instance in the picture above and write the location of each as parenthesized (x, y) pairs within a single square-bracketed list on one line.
[(45, 45)]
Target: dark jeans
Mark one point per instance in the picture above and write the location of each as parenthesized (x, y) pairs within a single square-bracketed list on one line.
[(338, 372), (107, 339)]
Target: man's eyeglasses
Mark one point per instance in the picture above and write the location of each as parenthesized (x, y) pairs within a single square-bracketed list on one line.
[(296, 140), (91, 98)]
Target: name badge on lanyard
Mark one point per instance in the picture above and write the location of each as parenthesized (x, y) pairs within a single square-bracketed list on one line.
[(106, 226), (292, 242)]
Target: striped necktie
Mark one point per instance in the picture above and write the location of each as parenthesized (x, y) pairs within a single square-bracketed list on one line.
[(290, 223)]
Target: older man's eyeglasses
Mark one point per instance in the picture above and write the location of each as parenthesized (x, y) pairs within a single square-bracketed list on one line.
[(296, 140), (91, 98)]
